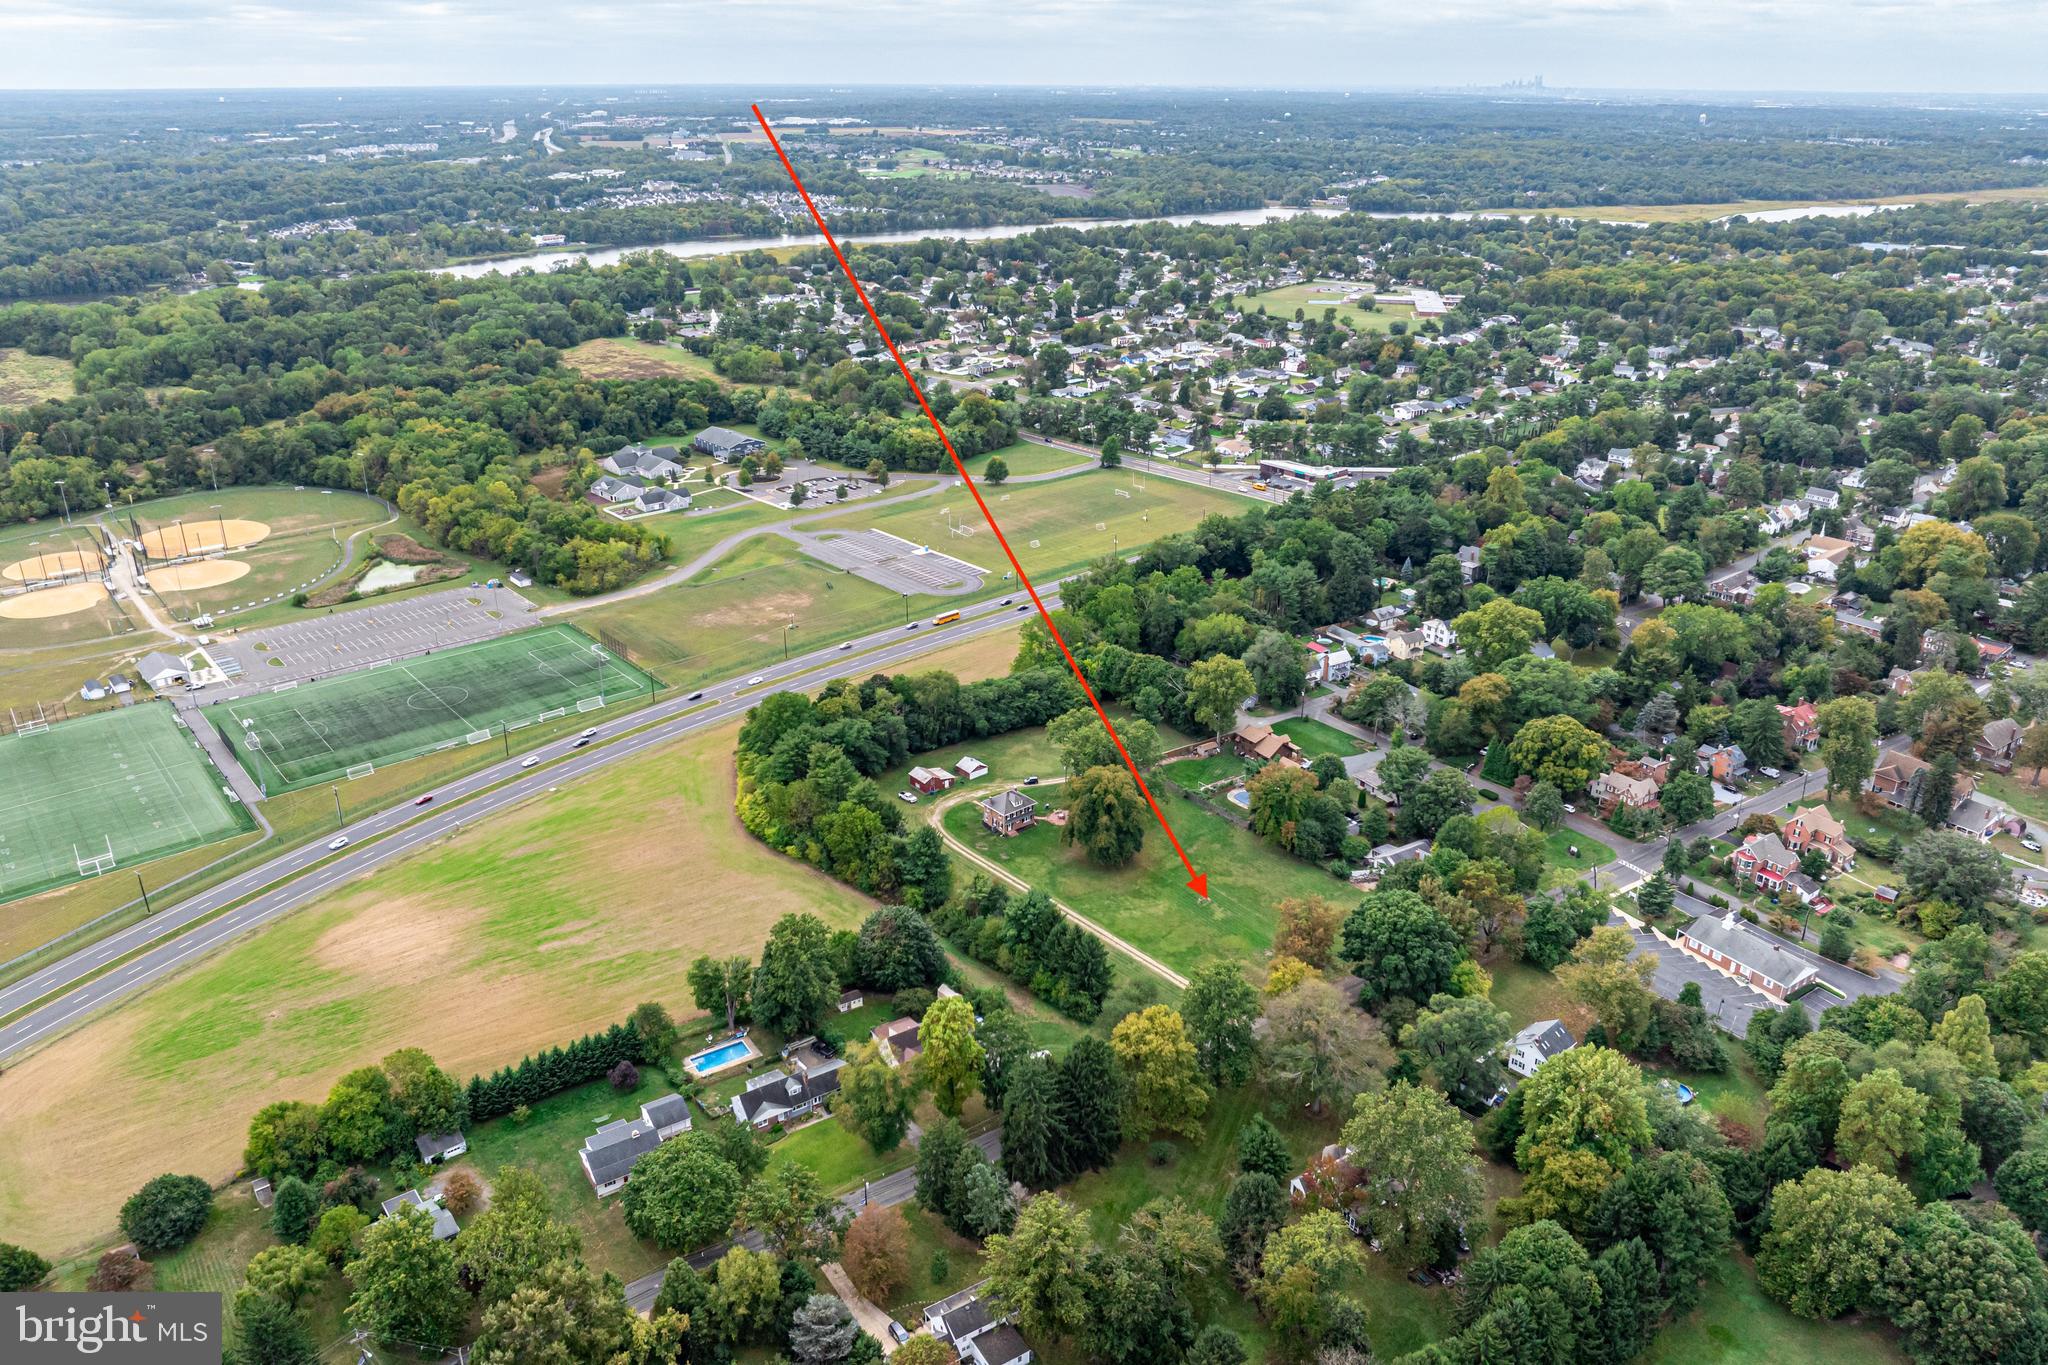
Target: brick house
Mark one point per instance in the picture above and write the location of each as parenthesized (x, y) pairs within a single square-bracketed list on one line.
[(1265, 744), (1765, 860), (1999, 742), (1615, 789), (1748, 954), (1802, 727), (1816, 828), (1008, 812), (929, 780)]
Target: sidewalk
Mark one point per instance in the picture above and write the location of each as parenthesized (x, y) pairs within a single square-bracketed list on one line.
[(872, 1320)]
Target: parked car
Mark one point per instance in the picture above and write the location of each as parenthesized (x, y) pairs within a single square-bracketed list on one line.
[(2031, 845), (1031, 781), (908, 797), (1570, 809), (1772, 773), (338, 841)]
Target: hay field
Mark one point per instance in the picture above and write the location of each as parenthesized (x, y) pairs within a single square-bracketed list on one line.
[(542, 924)]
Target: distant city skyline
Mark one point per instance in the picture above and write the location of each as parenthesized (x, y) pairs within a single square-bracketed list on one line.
[(1730, 46)]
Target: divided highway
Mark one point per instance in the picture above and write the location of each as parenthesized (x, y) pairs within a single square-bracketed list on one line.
[(66, 991)]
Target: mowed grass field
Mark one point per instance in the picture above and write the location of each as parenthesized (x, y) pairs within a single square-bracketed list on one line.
[(731, 617), (320, 731), (126, 786), (307, 531), (547, 922), (1318, 296), (1148, 903), (27, 379), (1055, 527), (1028, 457)]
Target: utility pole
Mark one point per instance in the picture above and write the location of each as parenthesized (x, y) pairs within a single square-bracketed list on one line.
[(786, 625), (146, 909), (338, 821)]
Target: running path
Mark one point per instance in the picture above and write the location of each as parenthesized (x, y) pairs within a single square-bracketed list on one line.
[(1145, 960)]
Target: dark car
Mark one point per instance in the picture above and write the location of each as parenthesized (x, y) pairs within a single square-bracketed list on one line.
[(694, 696), (1031, 781), (581, 744)]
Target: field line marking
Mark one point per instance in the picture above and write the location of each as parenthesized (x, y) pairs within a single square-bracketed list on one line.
[(464, 720)]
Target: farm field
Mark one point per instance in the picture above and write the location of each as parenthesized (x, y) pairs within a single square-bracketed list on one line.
[(1318, 296), (105, 793), (325, 729), (1052, 526), (481, 948), (625, 358), (1693, 213), (29, 379), (1148, 903)]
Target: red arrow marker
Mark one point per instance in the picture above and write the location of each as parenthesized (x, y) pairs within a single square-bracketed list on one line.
[(1198, 882)]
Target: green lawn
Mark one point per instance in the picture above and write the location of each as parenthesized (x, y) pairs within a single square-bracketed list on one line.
[(1148, 903), (1029, 457), (1054, 527), (1192, 773), (1737, 1324), (1565, 866), (1010, 758), (1319, 296), (838, 1157), (933, 1246), (547, 1144), (1317, 739), (1528, 993)]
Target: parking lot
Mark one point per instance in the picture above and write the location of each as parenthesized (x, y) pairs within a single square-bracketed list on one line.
[(892, 562), (301, 651)]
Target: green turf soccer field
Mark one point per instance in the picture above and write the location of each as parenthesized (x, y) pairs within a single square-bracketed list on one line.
[(301, 736), (105, 792)]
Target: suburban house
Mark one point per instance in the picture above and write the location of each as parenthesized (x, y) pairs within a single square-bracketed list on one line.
[(971, 768), (162, 671), (435, 1148), (1328, 664), (1406, 644), (444, 1221), (1858, 624), (723, 443), (1437, 634), (1724, 763), (1898, 776), (851, 1000), (1265, 744), (1826, 556), (95, 689), (1749, 954), (1802, 727), (973, 1330), (1815, 827), (1764, 860), (1537, 1044), (1470, 557), (1615, 789), (1999, 742), (1980, 818), (642, 497), (773, 1097), (1388, 855), (610, 1153), (644, 462), (896, 1041), (1008, 812), (929, 780)]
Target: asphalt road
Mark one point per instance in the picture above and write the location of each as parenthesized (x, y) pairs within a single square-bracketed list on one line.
[(897, 1187), (171, 938)]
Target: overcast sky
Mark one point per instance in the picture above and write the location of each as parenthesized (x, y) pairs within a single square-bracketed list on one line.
[(1819, 45)]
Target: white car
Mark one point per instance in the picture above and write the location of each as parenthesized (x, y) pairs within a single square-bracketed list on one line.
[(908, 797), (2031, 845), (1570, 809), (529, 760), (339, 841), (756, 680), (1772, 773), (591, 733)]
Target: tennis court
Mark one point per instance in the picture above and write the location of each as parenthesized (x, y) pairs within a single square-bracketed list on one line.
[(103, 793), (301, 734)]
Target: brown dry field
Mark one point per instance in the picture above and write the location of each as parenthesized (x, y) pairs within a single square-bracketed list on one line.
[(201, 537), (52, 565), (526, 931)]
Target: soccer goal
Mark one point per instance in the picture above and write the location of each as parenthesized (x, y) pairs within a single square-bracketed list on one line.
[(361, 770), (477, 736), (1121, 492), (590, 704)]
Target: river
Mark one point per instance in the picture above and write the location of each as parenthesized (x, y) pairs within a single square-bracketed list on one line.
[(728, 246)]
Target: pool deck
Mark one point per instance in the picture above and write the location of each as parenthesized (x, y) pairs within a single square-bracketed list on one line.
[(752, 1053)]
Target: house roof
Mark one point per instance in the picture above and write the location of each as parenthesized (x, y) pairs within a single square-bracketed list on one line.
[(775, 1093), (1817, 820), (1000, 1345), (612, 1150), (666, 1110), (157, 662), (965, 1320), (433, 1145), (2002, 733), (1768, 847), (1009, 802), (1547, 1036), (1742, 942)]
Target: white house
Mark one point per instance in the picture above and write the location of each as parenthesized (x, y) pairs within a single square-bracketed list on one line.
[(1537, 1044), (609, 1154), (1437, 634)]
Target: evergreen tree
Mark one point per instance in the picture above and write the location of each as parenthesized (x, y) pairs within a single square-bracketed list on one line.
[(1030, 1114), (1261, 1150), (1090, 1107)]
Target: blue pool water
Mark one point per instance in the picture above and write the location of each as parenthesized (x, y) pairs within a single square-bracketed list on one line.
[(1240, 797), (721, 1055)]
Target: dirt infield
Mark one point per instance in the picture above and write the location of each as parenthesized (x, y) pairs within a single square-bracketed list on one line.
[(201, 537), (59, 601), (197, 573), (53, 565)]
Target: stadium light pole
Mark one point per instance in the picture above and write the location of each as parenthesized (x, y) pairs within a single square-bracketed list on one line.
[(220, 522), (65, 499)]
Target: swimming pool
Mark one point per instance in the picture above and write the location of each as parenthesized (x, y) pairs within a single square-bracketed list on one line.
[(720, 1057), (1239, 797)]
